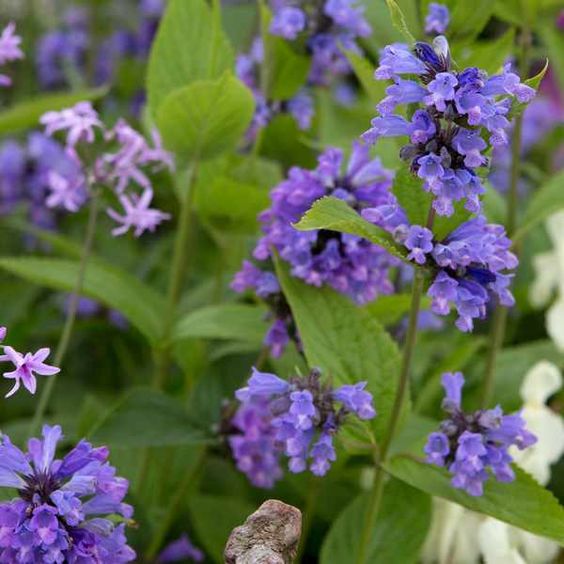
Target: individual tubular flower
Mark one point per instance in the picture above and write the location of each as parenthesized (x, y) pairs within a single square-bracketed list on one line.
[(349, 264), (437, 19), (66, 509), (297, 418), (469, 444), (9, 50), (326, 28), (469, 265), (119, 170), (300, 106), (459, 116)]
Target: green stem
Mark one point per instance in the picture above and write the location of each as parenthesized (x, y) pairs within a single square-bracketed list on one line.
[(309, 512), (499, 322), (177, 276), (401, 392), (179, 496), (68, 327)]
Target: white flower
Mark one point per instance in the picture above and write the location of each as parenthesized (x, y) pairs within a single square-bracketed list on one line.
[(549, 280), (459, 536)]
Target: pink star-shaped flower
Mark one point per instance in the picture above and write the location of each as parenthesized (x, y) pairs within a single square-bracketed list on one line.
[(26, 367)]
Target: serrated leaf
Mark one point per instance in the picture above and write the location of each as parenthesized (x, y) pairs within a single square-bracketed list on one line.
[(25, 115), (403, 509), (522, 503), (335, 215), (344, 341), (239, 322), (147, 418), (207, 118), (398, 20), (113, 287), (390, 309), (548, 199), (190, 45)]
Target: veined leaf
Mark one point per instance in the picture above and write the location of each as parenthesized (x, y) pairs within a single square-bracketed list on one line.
[(344, 341), (113, 287), (190, 45), (335, 215), (398, 20)]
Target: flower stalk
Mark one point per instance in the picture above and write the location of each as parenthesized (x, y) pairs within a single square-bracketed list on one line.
[(70, 319)]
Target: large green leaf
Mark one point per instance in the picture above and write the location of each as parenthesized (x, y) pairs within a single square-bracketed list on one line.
[(344, 341), (548, 199), (239, 322), (335, 215), (469, 18), (190, 45), (522, 503), (403, 509), (206, 118), (390, 309), (147, 418), (110, 285), (26, 114), (214, 517)]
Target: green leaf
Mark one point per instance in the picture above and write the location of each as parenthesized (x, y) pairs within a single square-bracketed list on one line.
[(398, 20), (239, 322), (468, 19), (25, 115), (190, 45), (522, 503), (335, 215), (408, 189), (284, 71), (364, 71), (207, 118), (113, 287), (344, 341), (547, 200), (388, 310), (214, 517), (403, 509), (147, 418)]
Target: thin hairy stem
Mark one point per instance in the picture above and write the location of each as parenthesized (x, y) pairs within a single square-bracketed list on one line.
[(70, 319)]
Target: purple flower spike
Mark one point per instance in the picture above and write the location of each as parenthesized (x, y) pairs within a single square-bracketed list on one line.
[(9, 50), (470, 443), (26, 366), (59, 515), (288, 23), (80, 122), (298, 418), (419, 242)]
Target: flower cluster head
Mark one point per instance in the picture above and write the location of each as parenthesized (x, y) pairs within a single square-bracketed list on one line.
[(300, 106), (297, 418), (266, 286), (66, 508), (9, 50), (325, 27), (437, 19), (120, 169), (460, 115), (468, 266), (469, 444), (25, 366)]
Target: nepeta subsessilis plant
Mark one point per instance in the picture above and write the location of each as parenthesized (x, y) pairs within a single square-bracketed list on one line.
[(297, 418), (9, 50), (469, 444), (460, 115), (120, 170), (66, 509)]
